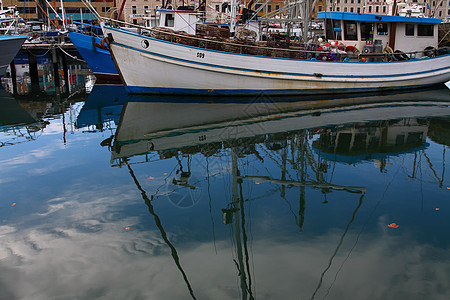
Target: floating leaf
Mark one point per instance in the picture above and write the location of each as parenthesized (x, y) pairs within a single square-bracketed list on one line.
[(127, 228), (164, 173), (256, 182), (437, 208), (14, 204), (150, 177), (393, 225)]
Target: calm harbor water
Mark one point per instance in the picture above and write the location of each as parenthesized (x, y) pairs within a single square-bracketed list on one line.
[(106, 195)]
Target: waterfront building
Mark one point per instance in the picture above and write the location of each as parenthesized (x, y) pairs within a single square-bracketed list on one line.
[(426, 8), (74, 10)]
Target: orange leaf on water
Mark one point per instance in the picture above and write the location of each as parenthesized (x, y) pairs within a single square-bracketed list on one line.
[(14, 204), (127, 228), (437, 208), (393, 225), (150, 177)]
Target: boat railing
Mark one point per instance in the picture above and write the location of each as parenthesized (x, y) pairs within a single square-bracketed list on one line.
[(291, 50), (89, 29)]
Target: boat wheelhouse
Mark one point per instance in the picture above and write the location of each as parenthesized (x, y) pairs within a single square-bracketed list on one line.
[(370, 33)]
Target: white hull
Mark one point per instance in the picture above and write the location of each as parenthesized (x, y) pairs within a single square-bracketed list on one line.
[(165, 67), (9, 46)]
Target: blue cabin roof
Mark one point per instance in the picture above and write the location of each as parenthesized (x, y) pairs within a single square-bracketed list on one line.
[(348, 16)]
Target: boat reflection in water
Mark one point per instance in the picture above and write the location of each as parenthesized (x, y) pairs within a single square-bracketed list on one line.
[(288, 150)]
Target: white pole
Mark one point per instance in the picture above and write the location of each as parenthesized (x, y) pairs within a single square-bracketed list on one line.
[(63, 14), (233, 16)]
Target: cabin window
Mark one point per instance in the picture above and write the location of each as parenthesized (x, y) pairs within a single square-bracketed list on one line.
[(382, 29), (333, 31), (350, 32), (366, 31), (170, 20), (425, 30), (409, 29)]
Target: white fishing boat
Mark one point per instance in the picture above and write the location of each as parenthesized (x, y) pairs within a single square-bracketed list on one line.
[(160, 61)]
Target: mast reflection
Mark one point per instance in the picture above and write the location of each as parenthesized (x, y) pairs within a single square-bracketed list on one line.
[(303, 141)]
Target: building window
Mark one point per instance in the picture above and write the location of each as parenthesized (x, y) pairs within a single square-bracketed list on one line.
[(425, 30), (351, 9), (377, 9), (269, 8), (409, 29), (384, 9), (26, 10), (134, 10), (145, 9), (358, 10), (370, 9)]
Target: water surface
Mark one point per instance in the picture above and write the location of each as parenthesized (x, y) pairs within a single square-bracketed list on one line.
[(113, 196)]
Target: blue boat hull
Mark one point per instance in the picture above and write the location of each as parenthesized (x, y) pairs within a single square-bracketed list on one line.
[(99, 60)]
